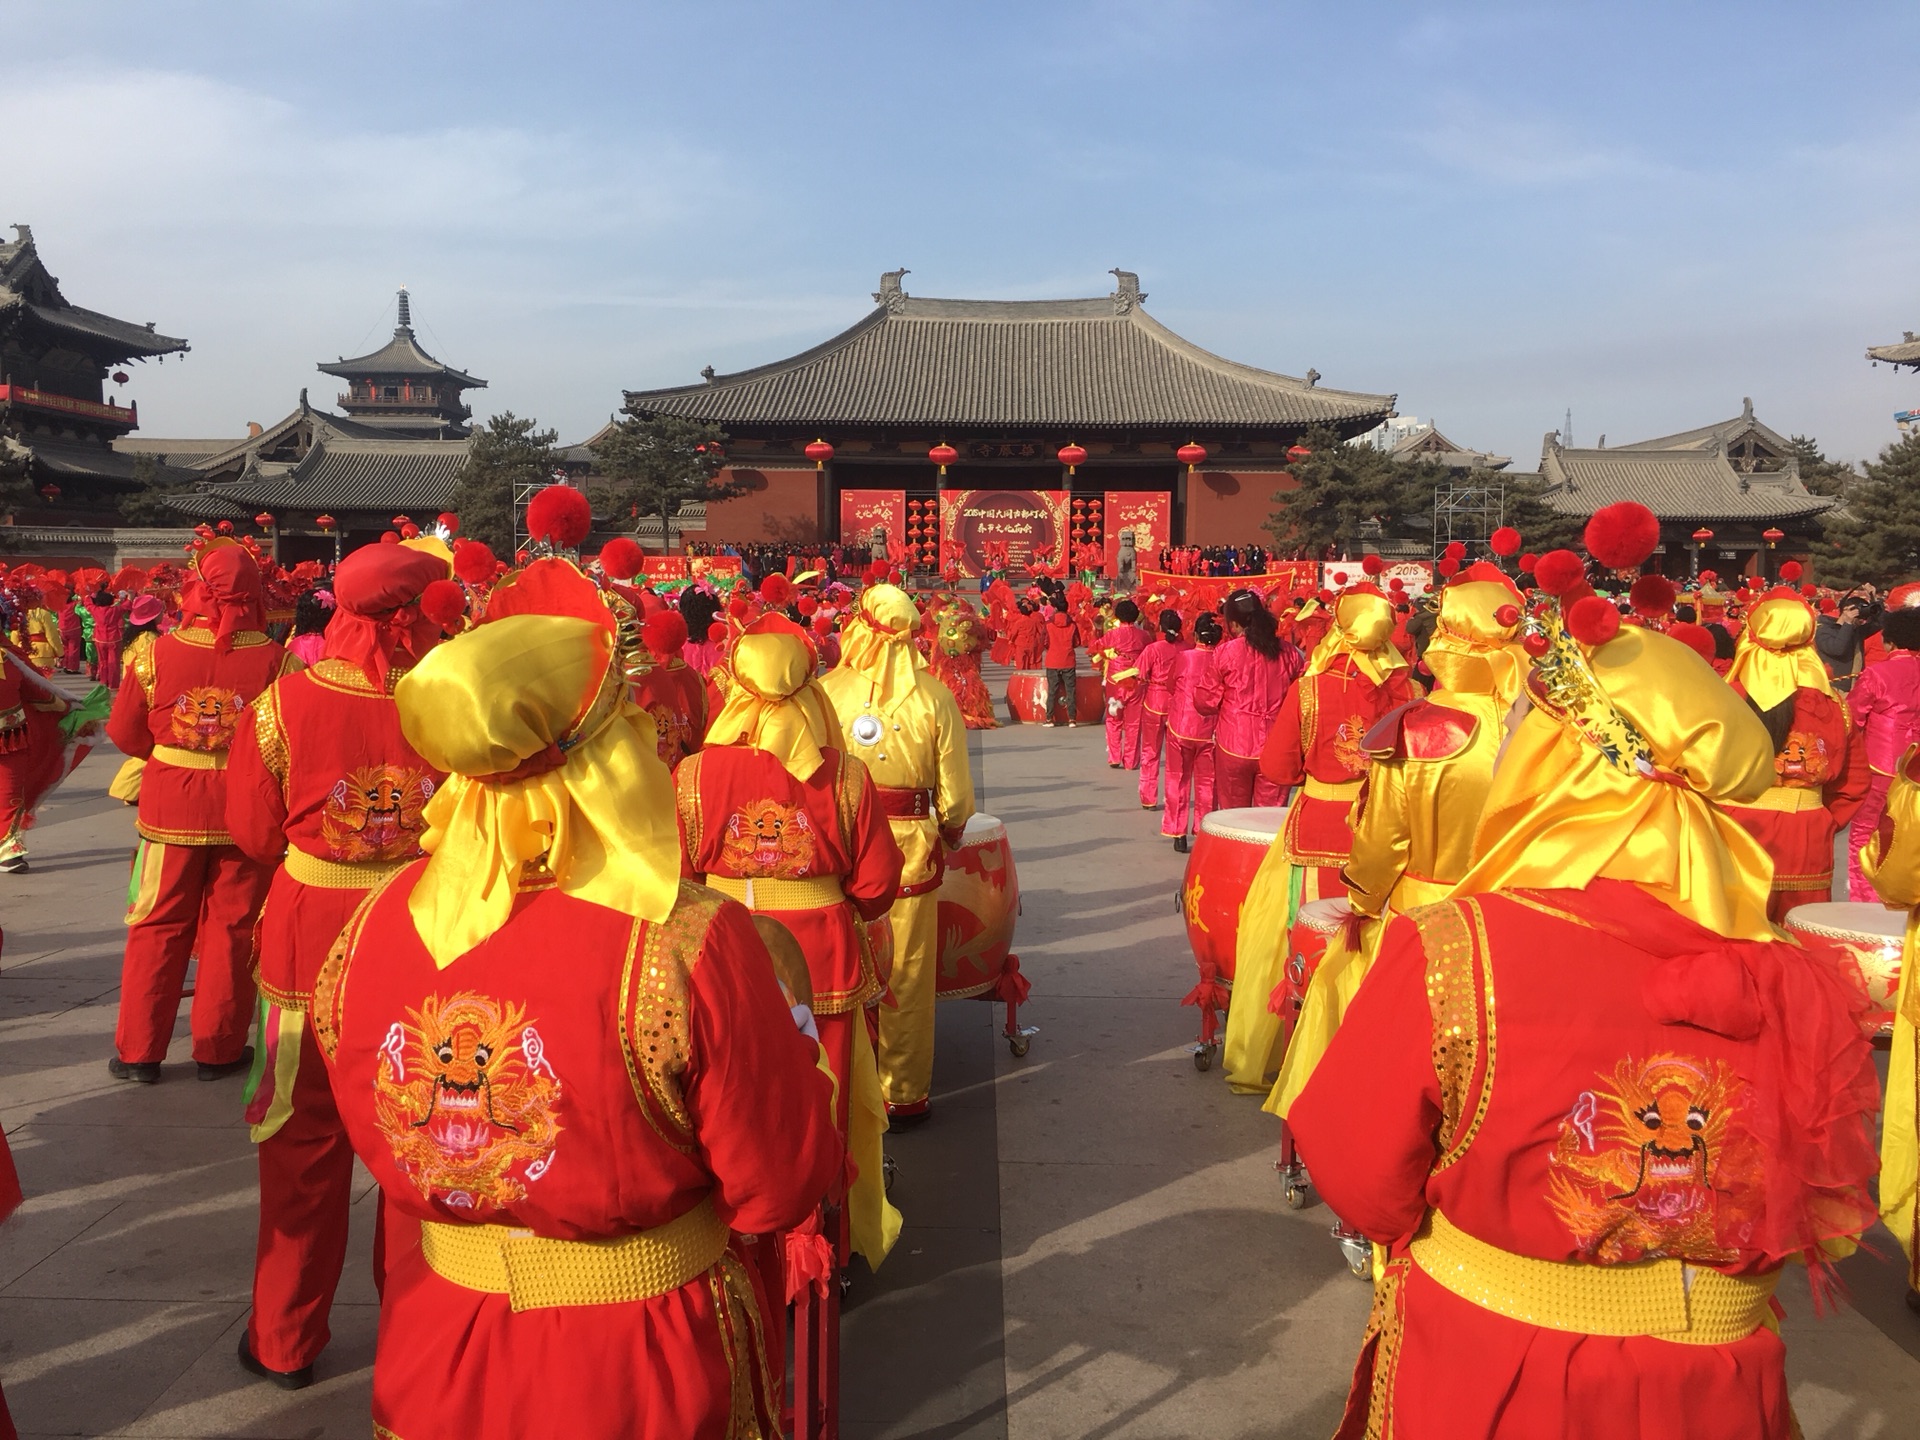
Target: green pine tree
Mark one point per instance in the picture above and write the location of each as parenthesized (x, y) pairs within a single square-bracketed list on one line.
[(1875, 534), (1822, 476), (652, 465), (149, 505), (505, 452)]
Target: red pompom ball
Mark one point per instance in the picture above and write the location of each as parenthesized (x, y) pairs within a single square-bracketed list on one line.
[(519, 557), (1456, 550), (1449, 565), (776, 590), (807, 604), (622, 558), (1505, 541), (663, 633), (1396, 584), (1534, 645), (409, 532), (1809, 590), (444, 603), (1372, 564), (1790, 571), (1558, 571), (739, 606), (1695, 637), (716, 633), (449, 522), (1593, 621), (1339, 577), (1652, 595), (1507, 615), (1622, 536), (1527, 562), (473, 561), (389, 537), (559, 515)]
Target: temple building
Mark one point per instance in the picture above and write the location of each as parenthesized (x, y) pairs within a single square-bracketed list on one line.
[(1006, 386), (401, 389), (1906, 353), (56, 360), (1731, 492)]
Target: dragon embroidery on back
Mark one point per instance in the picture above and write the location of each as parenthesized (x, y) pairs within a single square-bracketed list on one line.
[(205, 717), (375, 813), (1655, 1162), (766, 839)]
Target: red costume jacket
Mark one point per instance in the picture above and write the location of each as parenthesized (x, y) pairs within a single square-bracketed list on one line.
[(180, 713), (323, 769), (580, 1075), (1117, 653), (33, 752), (1629, 1104), (675, 695), (1028, 634), (1317, 743), (743, 816), (1822, 776)]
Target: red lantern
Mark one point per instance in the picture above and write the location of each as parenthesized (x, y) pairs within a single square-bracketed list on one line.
[(263, 520), (819, 452), (1702, 535), (1298, 452), (225, 527), (52, 492), (943, 455), (325, 522), (1191, 455), (1773, 536), (1072, 456), (1093, 507), (119, 377)]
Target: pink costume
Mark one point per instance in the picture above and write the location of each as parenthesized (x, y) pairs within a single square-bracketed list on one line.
[(1245, 690), (702, 655), (308, 646), (1157, 665), (108, 622), (1119, 651), (1189, 744), (1886, 707)]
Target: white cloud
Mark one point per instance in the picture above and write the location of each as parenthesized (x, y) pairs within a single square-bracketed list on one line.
[(1506, 147)]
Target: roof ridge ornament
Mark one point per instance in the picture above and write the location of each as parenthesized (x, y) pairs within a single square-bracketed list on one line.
[(1127, 293), (892, 294), (406, 313)]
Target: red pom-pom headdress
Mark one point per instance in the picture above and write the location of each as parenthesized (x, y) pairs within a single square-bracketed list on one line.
[(622, 558), (1505, 541), (444, 603), (1622, 536), (1558, 571), (560, 516), (474, 562), (664, 633), (1652, 596)]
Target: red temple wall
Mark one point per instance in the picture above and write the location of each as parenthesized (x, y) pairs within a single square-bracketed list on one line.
[(780, 506), (1232, 507)]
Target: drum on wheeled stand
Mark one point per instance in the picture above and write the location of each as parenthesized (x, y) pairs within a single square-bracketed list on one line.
[(979, 906), (1226, 853)]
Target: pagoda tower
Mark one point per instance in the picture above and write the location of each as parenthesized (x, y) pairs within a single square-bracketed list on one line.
[(402, 389)]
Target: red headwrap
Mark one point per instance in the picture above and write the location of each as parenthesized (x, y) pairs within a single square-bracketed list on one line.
[(224, 591), (377, 618)]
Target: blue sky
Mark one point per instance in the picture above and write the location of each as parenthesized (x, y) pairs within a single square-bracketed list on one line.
[(1641, 212)]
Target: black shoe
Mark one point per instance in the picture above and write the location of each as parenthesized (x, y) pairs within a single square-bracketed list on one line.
[(232, 1067), (1113, 765), (901, 1117), (1180, 846), (145, 1072), (285, 1379), (15, 866)]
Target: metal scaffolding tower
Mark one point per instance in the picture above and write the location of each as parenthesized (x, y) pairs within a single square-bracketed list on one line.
[(1467, 512)]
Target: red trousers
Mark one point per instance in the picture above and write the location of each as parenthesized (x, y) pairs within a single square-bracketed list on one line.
[(1189, 779), (306, 1189), (1153, 733), (1123, 730), (1238, 783), (189, 900)]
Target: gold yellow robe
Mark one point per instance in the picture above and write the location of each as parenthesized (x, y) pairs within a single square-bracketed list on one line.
[(1894, 868)]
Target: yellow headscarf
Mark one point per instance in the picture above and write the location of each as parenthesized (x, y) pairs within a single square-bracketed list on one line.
[(776, 705), (1363, 629), (1560, 814), (1471, 652), (877, 642), (549, 761), (1776, 655)]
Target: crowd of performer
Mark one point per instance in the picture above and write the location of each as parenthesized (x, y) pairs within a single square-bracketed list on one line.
[(598, 920)]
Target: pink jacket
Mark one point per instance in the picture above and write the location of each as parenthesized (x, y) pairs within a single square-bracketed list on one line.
[(1185, 720), (1158, 662), (1244, 690), (1122, 647), (1886, 705)]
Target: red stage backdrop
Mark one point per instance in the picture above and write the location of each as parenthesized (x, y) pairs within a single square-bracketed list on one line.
[(663, 568), (861, 511), (1032, 524), (1149, 516)]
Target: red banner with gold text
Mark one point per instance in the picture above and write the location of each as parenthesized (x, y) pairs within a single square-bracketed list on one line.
[(864, 511), (1031, 525)]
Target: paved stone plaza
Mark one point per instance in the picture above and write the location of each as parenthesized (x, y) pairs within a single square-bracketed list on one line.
[(1095, 1244)]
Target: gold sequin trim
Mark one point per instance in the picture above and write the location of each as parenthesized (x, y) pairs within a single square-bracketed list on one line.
[(1384, 1327), (332, 673), (138, 661), (202, 637), (1457, 1000), (655, 990), (327, 1010), (686, 791), (270, 734)]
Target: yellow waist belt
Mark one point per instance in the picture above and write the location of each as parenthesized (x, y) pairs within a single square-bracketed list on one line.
[(335, 874), (1788, 799), (815, 892), (1664, 1299), (537, 1273), (190, 759), (1329, 790)]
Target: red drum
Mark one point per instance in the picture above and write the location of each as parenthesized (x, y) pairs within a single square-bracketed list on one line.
[(1871, 935), (1027, 697), (1226, 853), (979, 906), (1313, 930)]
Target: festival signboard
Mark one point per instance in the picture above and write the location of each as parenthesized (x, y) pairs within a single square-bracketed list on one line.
[(1301, 577), (862, 512), (1031, 525), (1148, 515), (1415, 577), (669, 569)]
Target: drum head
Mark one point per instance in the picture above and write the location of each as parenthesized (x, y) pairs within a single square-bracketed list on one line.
[(1849, 919), (1253, 825), (982, 830)]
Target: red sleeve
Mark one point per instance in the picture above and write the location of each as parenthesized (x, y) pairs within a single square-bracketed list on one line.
[(1281, 759), (256, 807), (876, 857), (1845, 793), (1369, 1117), (127, 721), (761, 1107)]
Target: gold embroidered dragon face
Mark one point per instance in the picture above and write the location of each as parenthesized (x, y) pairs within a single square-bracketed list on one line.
[(673, 732), (468, 1100), (205, 718), (767, 838), (375, 813)]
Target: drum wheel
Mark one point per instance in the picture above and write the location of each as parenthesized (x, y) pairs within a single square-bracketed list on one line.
[(1203, 1057), (1298, 1195), (1358, 1254), (889, 1171), (1019, 1045)]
